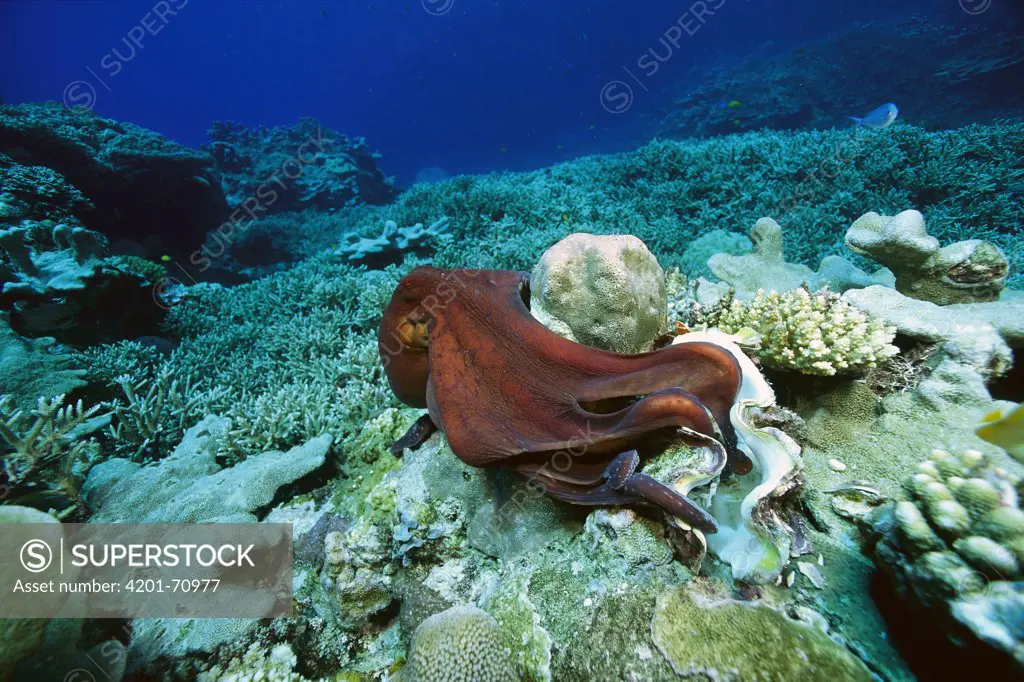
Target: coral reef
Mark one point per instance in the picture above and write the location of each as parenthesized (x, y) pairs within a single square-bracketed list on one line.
[(279, 396), (812, 333), (966, 272), (602, 291), (766, 270), (814, 184), (138, 182), (393, 243), (290, 168), (959, 74), (955, 551)]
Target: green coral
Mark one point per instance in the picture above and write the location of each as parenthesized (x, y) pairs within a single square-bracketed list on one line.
[(462, 643), (812, 333), (957, 542), (144, 269)]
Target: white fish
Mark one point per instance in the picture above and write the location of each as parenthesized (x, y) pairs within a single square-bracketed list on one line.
[(879, 118)]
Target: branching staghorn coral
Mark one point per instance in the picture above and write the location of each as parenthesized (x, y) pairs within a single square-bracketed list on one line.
[(154, 414), (45, 445), (811, 333)]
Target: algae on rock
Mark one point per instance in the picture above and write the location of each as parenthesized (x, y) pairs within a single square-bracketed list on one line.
[(731, 640)]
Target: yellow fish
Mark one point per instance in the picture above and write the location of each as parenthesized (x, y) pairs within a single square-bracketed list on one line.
[(503, 150), (735, 104), (565, 218), (1005, 429), (165, 258)]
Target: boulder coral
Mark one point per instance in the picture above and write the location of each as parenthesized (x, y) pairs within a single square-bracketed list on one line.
[(607, 292), (462, 643)]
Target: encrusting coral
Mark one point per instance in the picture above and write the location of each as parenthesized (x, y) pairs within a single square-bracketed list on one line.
[(811, 333), (714, 638), (956, 550), (964, 272)]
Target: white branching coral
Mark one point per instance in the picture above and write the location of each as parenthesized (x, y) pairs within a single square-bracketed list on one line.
[(812, 333)]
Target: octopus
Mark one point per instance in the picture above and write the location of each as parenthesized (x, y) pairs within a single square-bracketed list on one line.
[(506, 391)]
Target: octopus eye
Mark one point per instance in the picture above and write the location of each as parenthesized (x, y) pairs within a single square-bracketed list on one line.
[(413, 334)]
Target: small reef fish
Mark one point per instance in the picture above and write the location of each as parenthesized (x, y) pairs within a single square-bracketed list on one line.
[(879, 118), (734, 104), (1005, 429)]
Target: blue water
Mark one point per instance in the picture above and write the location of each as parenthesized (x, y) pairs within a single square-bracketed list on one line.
[(467, 85)]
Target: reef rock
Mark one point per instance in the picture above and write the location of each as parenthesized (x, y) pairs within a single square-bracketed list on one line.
[(766, 269), (602, 291), (290, 168), (138, 182), (188, 486), (965, 272)]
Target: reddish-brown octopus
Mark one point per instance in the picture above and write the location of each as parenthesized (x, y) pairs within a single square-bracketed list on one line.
[(507, 391)]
